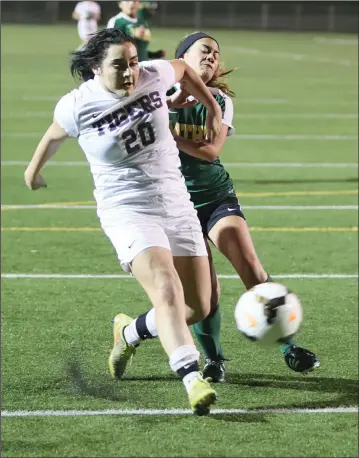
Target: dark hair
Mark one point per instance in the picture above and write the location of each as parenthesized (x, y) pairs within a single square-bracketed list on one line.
[(220, 73), (94, 51)]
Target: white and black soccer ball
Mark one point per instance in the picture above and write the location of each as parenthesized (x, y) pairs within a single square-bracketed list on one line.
[(268, 313)]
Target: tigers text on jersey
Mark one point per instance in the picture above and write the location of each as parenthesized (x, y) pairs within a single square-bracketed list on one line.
[(128, 25), (127, 141), (87, 26), (207, 182)]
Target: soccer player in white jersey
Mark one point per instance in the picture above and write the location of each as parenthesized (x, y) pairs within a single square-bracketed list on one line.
[(87, 14), (120, 119)]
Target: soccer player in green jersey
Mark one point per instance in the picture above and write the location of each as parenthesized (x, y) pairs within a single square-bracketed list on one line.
[(144, 18), (218, 208), (134, 21), (128, 23)]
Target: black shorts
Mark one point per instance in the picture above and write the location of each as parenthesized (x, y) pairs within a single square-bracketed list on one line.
[(210, 214)]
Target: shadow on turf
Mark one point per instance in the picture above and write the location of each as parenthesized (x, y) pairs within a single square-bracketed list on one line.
[(347, 389), (82, 385)]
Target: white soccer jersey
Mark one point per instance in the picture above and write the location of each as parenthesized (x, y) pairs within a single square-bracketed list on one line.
[(87, 26), (112, 21), (127, 141)]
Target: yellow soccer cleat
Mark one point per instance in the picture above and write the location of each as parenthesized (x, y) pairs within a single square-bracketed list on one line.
[(201, 395), (122, 353)]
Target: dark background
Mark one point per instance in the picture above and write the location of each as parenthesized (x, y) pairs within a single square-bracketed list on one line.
[(339, 16)]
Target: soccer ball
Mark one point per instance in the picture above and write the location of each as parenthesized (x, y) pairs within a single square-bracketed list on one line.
[(268, 313)]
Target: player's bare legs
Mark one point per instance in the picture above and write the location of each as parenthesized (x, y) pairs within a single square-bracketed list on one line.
[(194, 273), (232, 238), (155, 271)]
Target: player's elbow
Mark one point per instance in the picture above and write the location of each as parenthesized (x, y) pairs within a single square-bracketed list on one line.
[(212, 153)]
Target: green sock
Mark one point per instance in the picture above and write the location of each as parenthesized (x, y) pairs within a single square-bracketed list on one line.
[(207, 332), (283, 347)]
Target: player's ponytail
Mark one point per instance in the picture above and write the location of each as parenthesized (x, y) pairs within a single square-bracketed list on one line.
[(94, 51), (219, 82)]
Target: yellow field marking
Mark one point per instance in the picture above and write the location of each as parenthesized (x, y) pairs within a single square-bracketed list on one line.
[(51, 229), (85, 202), (239, 194), (253, 229)]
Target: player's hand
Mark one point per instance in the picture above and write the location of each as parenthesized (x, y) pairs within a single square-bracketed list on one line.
[(213, 124), (139, 32), (34, 182), (180, 100)]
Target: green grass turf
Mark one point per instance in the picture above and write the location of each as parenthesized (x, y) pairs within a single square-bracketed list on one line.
[(56, 334)]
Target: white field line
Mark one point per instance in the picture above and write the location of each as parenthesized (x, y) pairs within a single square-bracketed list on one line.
[(236, 137), (333, 165), (293, 137), (291, 56), (245, 207), (121, 276), (244, 100), (336, 41), (292, 116), (154, 412), (48, 114)]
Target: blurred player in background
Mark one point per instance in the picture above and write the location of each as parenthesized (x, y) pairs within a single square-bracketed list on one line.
[(134, 20), (87, 14), (119, 117), (214, 197), (144, 16)]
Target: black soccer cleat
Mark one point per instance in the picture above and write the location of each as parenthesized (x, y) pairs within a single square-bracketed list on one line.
[(215, 370), (301, 360)]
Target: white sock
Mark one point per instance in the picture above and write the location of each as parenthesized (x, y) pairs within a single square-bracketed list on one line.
[(131, 335), (188, 379), (151, 323), (183, 356)]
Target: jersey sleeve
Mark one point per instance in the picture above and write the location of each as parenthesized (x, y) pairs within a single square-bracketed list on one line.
[(111, 23), (79, 8), (164, 69), (226, 104), (64, 114)]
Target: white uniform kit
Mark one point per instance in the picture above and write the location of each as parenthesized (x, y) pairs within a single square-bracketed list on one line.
[(87, 26), (142, 200)]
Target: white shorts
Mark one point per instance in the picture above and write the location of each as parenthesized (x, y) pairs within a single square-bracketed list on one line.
[(133, 231)]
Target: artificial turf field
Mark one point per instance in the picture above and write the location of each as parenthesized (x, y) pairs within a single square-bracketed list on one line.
[(296, 107)]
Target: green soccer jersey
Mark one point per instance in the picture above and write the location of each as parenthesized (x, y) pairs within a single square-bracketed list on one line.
[(207, 182), (144, 16), (128, 25)]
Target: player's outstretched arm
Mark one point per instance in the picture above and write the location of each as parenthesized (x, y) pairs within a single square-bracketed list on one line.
[(48, 146), (193, 84)]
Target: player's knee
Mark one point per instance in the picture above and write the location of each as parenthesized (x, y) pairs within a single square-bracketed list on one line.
[(200, 308)]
